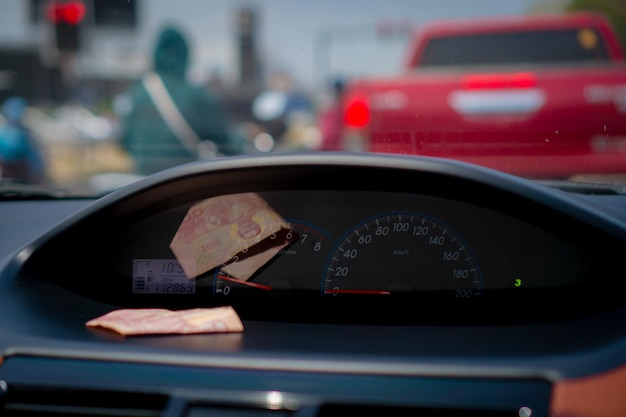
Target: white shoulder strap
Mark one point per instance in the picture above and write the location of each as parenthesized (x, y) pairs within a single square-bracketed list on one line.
[(170, 113)]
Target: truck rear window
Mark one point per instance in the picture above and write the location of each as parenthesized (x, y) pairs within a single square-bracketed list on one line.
[(584, 45)]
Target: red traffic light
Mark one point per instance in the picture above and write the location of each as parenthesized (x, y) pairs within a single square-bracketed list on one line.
[(69, 12)]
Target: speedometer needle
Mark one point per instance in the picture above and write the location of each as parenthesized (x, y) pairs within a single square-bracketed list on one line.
[(249, 284)]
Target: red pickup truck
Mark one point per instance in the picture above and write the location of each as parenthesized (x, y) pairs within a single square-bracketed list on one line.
[(536, 96)]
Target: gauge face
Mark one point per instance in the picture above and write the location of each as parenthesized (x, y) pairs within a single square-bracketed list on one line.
[(308, 245), (402, 253)]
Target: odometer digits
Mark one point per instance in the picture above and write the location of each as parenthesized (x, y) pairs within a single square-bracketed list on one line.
[(160, 276), (399, 253)]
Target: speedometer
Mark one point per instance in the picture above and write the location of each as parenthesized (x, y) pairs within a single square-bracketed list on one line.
[(400, 253)]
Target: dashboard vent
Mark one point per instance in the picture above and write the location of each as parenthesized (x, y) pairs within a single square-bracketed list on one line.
[(343, 410), (43, 402)]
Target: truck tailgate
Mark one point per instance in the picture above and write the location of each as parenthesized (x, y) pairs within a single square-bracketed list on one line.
[(557, 111)]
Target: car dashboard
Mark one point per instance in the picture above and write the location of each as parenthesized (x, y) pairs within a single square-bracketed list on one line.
[(394, 285)]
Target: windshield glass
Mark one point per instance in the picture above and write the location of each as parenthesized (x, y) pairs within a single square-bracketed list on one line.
[(96, 94)]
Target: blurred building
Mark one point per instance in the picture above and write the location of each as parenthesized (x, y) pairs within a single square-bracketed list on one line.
[(55, 50), (46, 46)]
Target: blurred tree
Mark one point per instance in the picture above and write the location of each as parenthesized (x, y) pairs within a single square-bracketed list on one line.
[(614, 10)]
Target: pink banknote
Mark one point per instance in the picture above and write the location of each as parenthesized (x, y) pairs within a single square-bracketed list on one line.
[(129, 322), (227, 230)]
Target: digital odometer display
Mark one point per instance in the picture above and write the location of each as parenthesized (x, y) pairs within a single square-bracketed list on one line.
[(161, 276)]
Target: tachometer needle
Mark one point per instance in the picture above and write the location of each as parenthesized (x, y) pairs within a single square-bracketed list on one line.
[(365, 292), (242, 282)]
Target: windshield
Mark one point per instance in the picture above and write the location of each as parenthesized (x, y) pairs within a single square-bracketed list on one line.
[(96, 94)]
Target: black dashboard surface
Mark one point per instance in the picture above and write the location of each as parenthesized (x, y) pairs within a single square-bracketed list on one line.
[(538, 269)]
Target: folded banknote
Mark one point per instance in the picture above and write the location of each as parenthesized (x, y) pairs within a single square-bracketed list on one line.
[(228, 230), (129, 322)]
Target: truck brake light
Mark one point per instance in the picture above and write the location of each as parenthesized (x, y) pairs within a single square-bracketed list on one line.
[(499, 81), (357, 112)]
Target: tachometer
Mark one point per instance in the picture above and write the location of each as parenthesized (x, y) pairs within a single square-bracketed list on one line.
[(400, 253), (296, 267)]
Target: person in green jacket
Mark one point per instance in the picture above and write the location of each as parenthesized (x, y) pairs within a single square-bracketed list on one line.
[(154, 134)]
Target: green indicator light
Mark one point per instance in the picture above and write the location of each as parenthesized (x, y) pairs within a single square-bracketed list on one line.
[(518, 282)]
